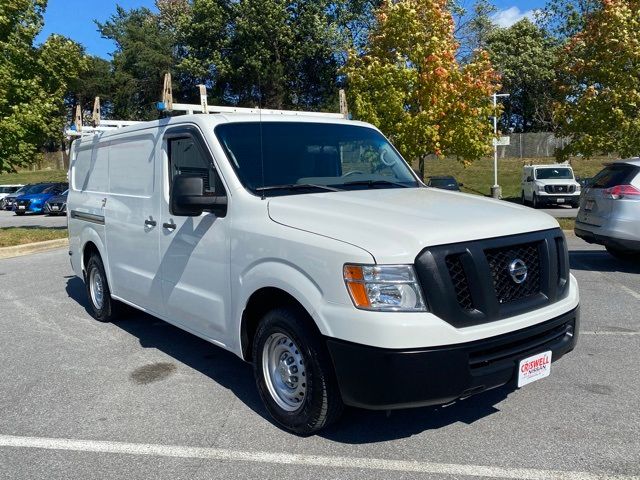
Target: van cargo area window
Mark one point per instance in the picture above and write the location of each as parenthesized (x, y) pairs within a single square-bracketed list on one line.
[(273, 158)]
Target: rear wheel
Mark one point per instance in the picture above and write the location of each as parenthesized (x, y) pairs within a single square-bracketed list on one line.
[(626, 255), (293, 373), (103, 307), (523, 199), (19, 213)]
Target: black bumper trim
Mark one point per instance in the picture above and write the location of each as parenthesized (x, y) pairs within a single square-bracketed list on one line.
[(384, 379), (620, 244)]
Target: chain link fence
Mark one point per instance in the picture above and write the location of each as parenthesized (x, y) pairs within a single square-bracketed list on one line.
[(532, 145)]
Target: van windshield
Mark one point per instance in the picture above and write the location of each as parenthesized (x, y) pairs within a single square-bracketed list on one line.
[(554, 173), (301, 157)]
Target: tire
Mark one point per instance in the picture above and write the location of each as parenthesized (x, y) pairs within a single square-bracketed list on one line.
[(625, 255), (284, 334), (19, 213), (523, 199), (103, 308), (534, 201)]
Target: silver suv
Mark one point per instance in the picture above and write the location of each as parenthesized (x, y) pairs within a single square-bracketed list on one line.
[(610, 209)]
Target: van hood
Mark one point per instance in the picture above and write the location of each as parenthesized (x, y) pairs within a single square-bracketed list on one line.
[(394, 225)]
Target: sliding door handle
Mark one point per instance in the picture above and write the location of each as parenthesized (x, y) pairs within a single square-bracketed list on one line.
[(169, 226), (150, 223)]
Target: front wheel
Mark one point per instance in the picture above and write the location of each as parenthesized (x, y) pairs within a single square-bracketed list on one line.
[(293, 373), (19, 213), (535, 203)]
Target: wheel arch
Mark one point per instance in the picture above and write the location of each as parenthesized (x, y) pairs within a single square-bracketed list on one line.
[(258, 304)]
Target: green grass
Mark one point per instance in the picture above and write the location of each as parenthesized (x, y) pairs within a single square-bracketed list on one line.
[(478, 177), (12, 236), (567, 223), (33, 177)]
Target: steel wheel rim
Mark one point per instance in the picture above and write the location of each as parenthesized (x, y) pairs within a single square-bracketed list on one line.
[(284, 372), (96, 287)]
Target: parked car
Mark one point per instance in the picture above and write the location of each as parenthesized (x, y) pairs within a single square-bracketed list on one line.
[(544, 185), (9, 201), (57, 205), (444, 182), (6, 191), (306, 245), (34, 198), (609, 212)]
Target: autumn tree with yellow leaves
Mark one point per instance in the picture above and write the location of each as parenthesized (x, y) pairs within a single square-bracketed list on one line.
[(409, 84), (600, 84)]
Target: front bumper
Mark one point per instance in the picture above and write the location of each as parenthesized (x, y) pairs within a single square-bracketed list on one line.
[(547, 199), (382, 379)]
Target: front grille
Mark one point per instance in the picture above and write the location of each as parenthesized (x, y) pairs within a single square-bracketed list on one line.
[(24, 203), (560, 188), (470, 283), (460, 281), (507, 289)]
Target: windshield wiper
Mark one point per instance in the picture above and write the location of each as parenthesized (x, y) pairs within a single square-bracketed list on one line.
[(297, 186), (373, 183)]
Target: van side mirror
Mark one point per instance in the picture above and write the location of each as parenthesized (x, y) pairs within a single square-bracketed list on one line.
[(529, 178), (187, 198)]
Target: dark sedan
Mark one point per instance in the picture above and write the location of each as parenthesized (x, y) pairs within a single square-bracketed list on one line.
[(444, 182), (57, 205)]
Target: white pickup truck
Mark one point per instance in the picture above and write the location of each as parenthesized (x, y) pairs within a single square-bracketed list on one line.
[(307, 246)]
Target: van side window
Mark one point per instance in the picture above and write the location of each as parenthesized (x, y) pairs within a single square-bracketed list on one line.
[(186, 156)]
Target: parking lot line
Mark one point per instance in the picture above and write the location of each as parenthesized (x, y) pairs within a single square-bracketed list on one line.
[(220, 454)]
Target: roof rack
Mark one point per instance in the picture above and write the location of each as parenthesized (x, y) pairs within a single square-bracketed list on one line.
[(167, 105)]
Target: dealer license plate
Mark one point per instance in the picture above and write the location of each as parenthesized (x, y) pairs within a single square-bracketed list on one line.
[(21, 207), (55, 208), (560, 200), (534, 368)]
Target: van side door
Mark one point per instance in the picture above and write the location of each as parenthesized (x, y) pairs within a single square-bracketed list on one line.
[(194, 251), (132, 220)]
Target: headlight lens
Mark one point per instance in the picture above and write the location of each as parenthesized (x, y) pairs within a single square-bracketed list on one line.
[(384, 287)]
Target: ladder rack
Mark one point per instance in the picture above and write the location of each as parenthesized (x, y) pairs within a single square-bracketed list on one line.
[(167, 105)]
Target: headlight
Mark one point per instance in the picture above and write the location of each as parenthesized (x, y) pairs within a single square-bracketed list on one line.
[(540, 187), (384, 287)]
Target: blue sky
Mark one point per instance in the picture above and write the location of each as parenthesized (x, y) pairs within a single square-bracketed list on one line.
[(74, 19)]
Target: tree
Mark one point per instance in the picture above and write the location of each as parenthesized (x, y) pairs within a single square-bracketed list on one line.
[(33, 82), (525, 56), (600, 84), (563, 19), (96, 81), (144, 53), (473, 29), (410, 85)]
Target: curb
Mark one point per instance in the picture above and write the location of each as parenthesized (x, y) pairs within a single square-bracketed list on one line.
[(29, 248)]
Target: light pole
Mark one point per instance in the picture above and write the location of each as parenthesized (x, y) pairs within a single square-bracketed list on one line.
[(496, 192)]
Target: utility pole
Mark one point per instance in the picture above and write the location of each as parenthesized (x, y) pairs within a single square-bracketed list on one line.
[(496, 191)]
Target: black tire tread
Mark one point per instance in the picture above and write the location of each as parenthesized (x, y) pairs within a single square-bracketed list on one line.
[(330, 403)]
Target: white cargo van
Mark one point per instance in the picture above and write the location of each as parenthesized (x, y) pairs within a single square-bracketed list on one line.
[(544, 185), (306, 245)]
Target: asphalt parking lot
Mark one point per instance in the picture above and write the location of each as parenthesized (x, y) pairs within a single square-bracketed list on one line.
[(142, 399), (10, 219)]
